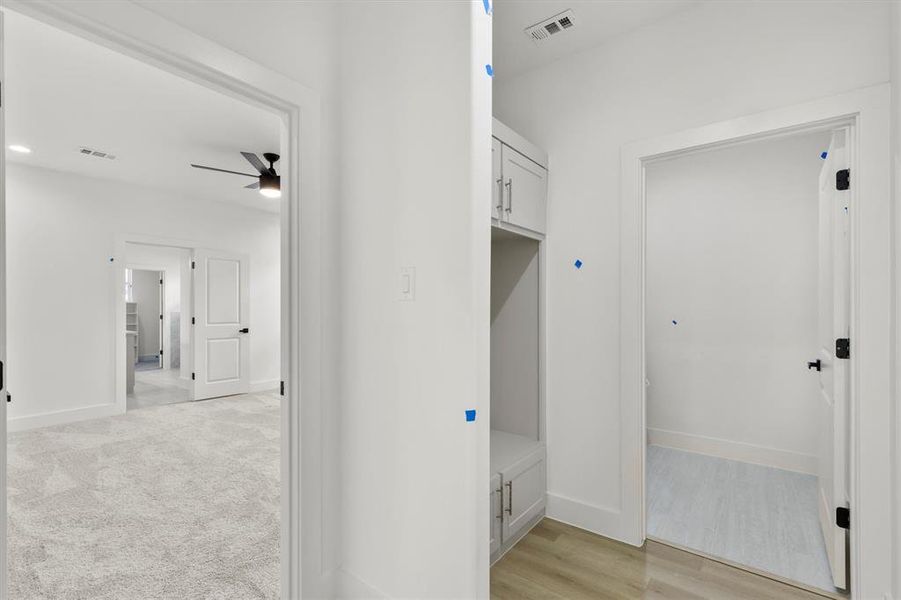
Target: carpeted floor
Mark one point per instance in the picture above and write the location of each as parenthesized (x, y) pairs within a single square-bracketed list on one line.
[(176, 501)]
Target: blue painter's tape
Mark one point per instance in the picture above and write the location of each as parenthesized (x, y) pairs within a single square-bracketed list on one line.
[(674, 322), (578, 264), (824, 155), (471, 415), (487, 5), (489, 70)]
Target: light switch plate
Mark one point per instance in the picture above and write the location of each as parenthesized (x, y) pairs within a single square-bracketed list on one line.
[(407, 283)]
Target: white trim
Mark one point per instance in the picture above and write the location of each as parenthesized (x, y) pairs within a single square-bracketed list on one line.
[(731, 450), (351, 587), (264, 385), (867, 110), (135, 31), (62, 417)]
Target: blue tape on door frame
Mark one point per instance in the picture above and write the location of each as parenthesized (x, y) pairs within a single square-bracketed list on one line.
[(578, 264), (471, 415), (824, 155), (487, 5), (489, 70)]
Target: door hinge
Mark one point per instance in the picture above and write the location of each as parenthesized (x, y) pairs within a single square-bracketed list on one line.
[(9, 397), (843, 348), (192, 376), (192, 320), (843, 179), (161, 317), (161, 351), (843, 517), (193, 264), (282, 388), (161, 282)]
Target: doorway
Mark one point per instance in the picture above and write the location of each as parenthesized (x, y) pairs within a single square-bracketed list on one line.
[(747, 289)]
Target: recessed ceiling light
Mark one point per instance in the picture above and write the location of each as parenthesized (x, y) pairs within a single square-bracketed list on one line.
[(20, 149)]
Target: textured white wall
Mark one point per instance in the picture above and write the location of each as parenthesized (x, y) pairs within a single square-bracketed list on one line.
[(62, 230), (731, 309), (717, 61)]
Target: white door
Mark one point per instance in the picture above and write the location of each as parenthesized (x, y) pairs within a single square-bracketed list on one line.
[(525, 185), (221, 325), (834, 308), (497, 194)]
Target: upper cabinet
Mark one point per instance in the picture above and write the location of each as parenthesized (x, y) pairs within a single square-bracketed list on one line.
[(519, 196)]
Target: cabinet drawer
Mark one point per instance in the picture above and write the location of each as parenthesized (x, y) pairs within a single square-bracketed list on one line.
[(524, 492)]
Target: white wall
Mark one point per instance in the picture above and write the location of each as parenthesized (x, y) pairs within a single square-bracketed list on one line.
[(896, 175), (62, 232), (514, 335), (731, 309), (175, 264), (415, 191), (714, 62)]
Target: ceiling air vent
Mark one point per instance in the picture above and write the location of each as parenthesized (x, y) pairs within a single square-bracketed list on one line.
[(95, 153), (540, 32)]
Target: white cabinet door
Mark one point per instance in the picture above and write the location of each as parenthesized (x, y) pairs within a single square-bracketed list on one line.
[(496, 507), (524, 492), (497, 195), (525, 188), (221, 336)]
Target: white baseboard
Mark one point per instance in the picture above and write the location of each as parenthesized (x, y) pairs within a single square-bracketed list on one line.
[(62, 417), (749, 453), (602, 520), (265, 385)]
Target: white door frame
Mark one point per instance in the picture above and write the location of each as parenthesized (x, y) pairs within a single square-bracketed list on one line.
[(137, 32), (867, 110)]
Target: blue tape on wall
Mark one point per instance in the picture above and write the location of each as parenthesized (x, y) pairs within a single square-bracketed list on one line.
[(824, 155), (487, 4), (674, 322), (578, 264), (489, 70), (471, 415)]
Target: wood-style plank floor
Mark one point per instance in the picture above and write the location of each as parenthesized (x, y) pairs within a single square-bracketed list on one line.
[(557, 561)]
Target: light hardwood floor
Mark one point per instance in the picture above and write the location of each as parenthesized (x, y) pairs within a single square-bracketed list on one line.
[(557, 561)]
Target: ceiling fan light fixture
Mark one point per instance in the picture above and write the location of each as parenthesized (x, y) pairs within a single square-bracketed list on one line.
[(271, 186)]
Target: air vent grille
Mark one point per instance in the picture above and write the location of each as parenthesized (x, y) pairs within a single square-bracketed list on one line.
[(85, 151), (540, 32)]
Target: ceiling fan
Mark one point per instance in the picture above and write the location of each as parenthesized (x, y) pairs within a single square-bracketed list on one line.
[(269, 182)]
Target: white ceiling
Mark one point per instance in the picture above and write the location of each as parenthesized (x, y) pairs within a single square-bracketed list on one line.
[(63, 92), (596, 22)]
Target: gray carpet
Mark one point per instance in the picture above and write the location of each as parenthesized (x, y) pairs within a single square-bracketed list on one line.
[(176, 501)]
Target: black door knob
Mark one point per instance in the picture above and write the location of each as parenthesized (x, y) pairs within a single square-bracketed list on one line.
[(245, 330), (815, 365)]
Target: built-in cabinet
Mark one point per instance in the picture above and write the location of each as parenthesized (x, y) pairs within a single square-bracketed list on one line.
[(517, 492), (519, 196)]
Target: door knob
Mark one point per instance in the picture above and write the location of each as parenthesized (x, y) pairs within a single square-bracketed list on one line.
[(815, 365), (246, 330)]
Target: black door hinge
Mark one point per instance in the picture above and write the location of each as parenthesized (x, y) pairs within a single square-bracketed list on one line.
[(161, 317), (843, 179), (193, 264), (161, 282), (192, 320), (161, 351), (843, 348), (282, 388), (192, 376), (843, 517), (9, 397)]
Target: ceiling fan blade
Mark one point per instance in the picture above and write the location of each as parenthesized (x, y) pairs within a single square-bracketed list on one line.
[(253, 186), (256, 162), (223, 170)]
